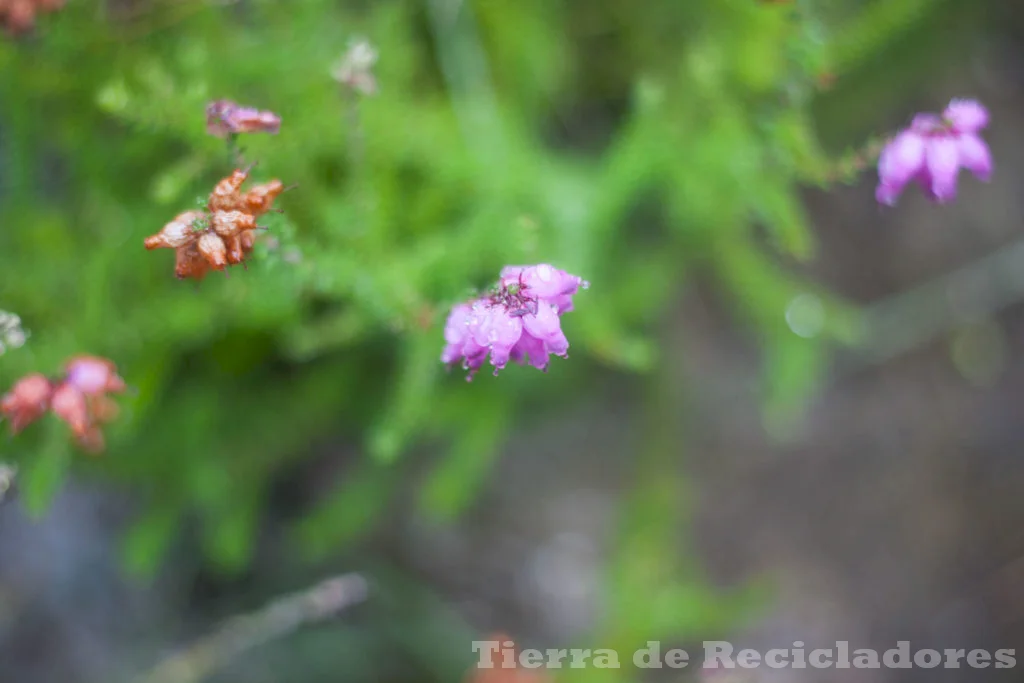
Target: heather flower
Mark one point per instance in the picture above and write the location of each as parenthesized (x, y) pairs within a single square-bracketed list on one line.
[(519, 320), (92, 375), (79, 398), (223, 233), (225, 118), (547, 282), (932, 151)]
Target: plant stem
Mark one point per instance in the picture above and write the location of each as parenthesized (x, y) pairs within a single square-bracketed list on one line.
[(241, 633)]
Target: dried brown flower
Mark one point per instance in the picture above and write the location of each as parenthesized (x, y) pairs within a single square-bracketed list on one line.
[(222, 235)]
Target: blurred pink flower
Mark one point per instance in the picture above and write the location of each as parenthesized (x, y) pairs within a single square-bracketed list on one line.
[(932, 151), (93, 375), (224, 117), (78, 397), (518, 321)]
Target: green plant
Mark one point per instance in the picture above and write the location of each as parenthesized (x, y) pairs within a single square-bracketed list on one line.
[(409, 197)]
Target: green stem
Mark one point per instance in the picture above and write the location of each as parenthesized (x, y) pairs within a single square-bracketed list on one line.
[(235, 152), (846, 169)]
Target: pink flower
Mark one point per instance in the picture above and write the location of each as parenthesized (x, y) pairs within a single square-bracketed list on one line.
[(224, 117), (519, 320), (547, 282), (933, 150), (93, 375)]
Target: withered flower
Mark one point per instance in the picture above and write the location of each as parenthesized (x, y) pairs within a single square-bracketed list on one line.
[(225, 193), (259, 198), (211, 246), (222, 235), (189, 263), (232, 223), (224, 118), (178, 232)]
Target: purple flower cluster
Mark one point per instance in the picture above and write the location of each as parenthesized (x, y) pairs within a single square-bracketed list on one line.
[(932, 152), (518, 320)]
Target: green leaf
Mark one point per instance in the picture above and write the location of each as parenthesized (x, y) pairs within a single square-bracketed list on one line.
[(230, 534), (783, 213), (146, 543), (454, 481), (348, 512), (410, 396)]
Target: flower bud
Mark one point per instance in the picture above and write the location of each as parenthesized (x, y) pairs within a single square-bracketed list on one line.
[(177, 233), (211, 246), (229, 223), (93, 375)]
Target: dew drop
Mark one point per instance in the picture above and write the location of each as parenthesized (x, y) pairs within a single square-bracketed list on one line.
[(805, 315)]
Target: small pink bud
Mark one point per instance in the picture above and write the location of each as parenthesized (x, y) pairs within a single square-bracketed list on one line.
[(224, 118)]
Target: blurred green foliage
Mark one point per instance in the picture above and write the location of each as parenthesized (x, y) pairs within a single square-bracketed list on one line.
[(478, 151)]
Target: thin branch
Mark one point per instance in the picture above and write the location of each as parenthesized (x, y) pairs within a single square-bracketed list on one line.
[(916, 317), (245, 632)]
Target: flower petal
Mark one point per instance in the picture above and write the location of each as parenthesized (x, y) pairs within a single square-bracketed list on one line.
[(887, 194), (942, 158), (966, 116), (533, 349), (975, 156), (926, 123), (901, 159)]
